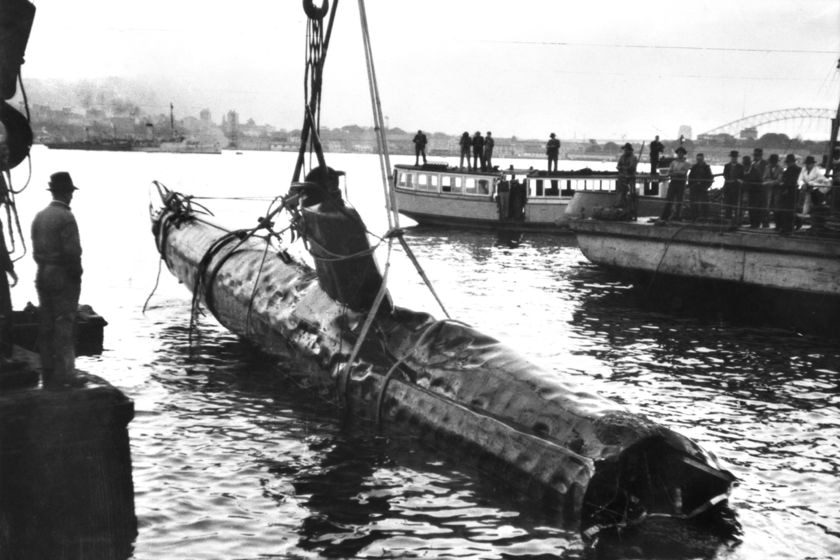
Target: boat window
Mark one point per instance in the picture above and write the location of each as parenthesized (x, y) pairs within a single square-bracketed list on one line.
[(469, 185), (539, 187), (422, 182), (401, 179), (483, 186), (446, 183), (458, 187), (433, 181), (553, 190), (408, 182), (568, 190)]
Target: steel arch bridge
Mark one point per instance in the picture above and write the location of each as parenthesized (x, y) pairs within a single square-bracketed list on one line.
[(754, 121)]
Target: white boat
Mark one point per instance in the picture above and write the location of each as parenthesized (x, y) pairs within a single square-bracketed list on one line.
[(441, 195)]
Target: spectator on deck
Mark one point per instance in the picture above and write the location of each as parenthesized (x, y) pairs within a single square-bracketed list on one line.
[(814, 184), (420, 142), (761, 164), (626, 182), (700, 178), (677, 173), (488, 151), (465, 144), (733, 172), (752, 184), (771, 181), (503, 199), (786, 201), (552, 150), (656, 148), (478, 151)]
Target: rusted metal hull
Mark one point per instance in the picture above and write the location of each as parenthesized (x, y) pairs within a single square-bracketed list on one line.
[(448, 382)]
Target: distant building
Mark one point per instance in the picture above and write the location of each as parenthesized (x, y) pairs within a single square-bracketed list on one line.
[(204, 116), (750, 133), (685, 132)]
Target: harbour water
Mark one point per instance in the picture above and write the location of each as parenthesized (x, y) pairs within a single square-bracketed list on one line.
[(233, 460)]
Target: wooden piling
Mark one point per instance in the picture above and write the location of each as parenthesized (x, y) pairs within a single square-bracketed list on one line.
[(66, 489)]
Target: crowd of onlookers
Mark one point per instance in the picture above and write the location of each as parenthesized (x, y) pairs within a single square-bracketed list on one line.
[(767, 190)]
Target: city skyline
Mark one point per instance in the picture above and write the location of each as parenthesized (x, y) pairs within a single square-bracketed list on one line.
[(601, 70)]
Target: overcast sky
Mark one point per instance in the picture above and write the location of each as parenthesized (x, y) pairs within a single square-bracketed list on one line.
[(589, 68)]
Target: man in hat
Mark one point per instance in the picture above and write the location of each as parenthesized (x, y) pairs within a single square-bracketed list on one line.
[(656, 148), (733, 172), (58, 254), (772, 180), (465, 142), (552, 150), (786, 200), (420, 142), (677, 173), (489, 143), (761, 165), (814, 183), (700, 178), (478, 151), (626, 182)]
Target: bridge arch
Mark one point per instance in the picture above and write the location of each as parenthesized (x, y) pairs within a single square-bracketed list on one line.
[(754, 121)]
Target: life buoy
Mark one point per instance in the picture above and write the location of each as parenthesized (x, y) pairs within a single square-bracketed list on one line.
[(315, 12), (18, 134)]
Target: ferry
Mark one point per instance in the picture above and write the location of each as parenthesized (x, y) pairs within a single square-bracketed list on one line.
[(437, 194)]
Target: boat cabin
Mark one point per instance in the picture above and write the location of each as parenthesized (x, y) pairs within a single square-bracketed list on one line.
[(437, 194)]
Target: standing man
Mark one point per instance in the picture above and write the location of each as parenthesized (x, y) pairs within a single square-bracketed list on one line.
[(419, 147), (814, 183), (771, 181), (488, 150), (733, 172), (656, 148), (626, 182), (465, 143), (58, 254), (478, 151), (503, 199), (700, 178), (552, 150), (761, 164), (755, 191), (677, 173), (786, 201)]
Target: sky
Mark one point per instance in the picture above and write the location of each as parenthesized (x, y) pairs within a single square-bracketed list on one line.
[(582, 69)]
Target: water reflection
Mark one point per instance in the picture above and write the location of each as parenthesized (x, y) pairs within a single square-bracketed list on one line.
[(341, 488)]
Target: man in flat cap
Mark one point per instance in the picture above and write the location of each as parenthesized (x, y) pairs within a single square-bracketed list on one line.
[(58, 254)]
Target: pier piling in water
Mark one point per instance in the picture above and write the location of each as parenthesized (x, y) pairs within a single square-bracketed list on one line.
[(66, 489)]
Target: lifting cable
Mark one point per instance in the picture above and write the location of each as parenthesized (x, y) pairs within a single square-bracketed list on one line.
[(385, 161)]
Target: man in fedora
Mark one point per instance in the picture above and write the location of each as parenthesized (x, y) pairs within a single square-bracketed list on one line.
[(625, 185), (58, 254), (677, 174)]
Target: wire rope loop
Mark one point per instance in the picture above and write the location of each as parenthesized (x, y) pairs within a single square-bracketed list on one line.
[(381, 397), (316, 12)]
